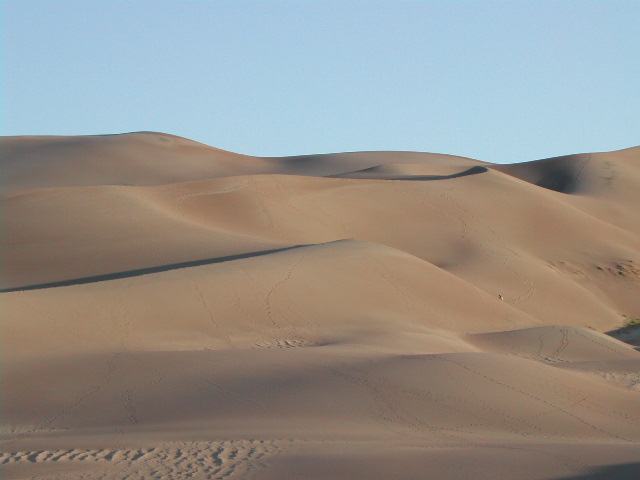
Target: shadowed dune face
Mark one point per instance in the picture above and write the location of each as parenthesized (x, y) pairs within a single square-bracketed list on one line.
[(172, 310), (563, 174)]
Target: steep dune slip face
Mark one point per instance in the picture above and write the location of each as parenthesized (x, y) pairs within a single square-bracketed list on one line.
[(172, 310)]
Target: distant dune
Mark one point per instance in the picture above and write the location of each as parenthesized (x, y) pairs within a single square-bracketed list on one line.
[(172, 310)]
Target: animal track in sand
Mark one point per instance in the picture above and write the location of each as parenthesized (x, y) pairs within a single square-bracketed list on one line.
[(467, 220), (229, 189), (285, 343), (621, 269), (564, 410), (269, 297), (206, 460)]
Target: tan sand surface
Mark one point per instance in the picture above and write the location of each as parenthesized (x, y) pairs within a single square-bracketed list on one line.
[(171, 310)]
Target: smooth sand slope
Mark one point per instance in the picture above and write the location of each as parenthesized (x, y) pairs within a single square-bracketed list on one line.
[(172, 310)]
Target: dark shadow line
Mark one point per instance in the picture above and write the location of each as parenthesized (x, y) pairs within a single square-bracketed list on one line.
[(471, 171), (622, 471), (143, 271)]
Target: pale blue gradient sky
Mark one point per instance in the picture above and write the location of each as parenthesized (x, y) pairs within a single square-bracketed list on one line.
[(499, 81)]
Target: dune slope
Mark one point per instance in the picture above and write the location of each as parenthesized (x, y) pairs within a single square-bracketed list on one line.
[(172, 310)]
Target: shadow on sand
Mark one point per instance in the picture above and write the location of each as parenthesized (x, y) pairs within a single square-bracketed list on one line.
[(143, 271), (471, 171), (466, 173), (623, 471)]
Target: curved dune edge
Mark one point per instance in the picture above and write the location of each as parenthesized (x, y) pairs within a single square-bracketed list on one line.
[(173, 310)]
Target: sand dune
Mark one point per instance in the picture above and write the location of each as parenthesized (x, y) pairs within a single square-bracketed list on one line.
[(172, 310)]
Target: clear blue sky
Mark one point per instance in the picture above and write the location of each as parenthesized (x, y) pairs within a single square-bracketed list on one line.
[(500, 81)]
